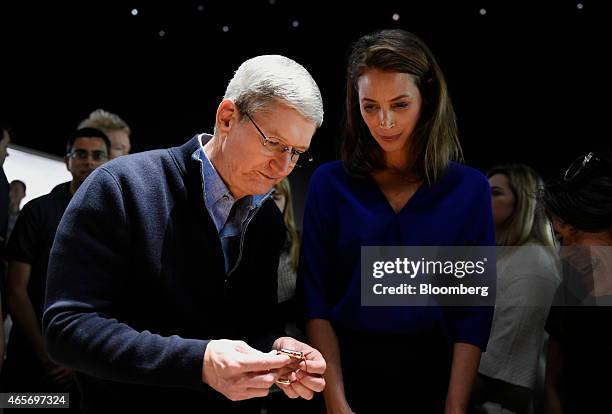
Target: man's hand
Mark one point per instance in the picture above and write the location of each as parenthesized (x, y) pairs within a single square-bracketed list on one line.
[(308, 378), (58, 375), (238, 371)]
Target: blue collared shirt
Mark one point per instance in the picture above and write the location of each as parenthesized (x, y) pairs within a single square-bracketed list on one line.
[(219, 203)]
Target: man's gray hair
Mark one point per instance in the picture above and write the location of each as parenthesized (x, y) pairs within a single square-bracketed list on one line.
[(262, 80)]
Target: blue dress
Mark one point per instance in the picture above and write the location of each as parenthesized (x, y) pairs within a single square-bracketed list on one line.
[(344, 213)]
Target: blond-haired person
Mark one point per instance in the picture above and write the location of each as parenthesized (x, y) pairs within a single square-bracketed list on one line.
[(115, 128), (527, 277)]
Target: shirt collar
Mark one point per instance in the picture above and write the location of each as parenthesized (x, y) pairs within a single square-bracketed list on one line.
[(217, 196)]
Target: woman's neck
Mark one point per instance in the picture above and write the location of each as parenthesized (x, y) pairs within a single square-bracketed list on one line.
[(398, 162)]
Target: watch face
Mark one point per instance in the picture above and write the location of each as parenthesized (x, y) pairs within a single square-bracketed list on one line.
[(291, 353)]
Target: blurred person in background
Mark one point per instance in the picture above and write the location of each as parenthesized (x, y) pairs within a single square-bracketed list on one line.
[(115, 128), (527, 277), (579, 360), (5, 139), (28, 367), (17, 192)]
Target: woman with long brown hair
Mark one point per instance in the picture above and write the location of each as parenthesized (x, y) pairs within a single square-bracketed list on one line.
[(397, 185)]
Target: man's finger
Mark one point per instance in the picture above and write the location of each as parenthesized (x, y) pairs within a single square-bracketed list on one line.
[(288, 390), (315, 366), (287, 369), (260, 380), (302, 391), (313, 382), (263, 362)]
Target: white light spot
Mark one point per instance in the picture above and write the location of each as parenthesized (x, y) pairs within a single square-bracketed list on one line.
[(225, 29), (134, 12), (483, 12), (295, 23), (579, 6), (200, 8), (272, 2), (395, 17), (162, 33)]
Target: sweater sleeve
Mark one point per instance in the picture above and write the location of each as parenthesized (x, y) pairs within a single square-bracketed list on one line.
[(316, 261), (91, 246)]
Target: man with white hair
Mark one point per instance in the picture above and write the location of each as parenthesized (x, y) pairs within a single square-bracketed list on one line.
[(166, 294)]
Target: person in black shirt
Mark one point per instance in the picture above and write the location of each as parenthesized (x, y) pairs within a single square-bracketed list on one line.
[(28, 367), (5, 139), (579, 360), (17, 192)]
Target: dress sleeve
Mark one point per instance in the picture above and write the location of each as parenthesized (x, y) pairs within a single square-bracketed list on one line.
[(472, 324), (316, 251), (92, 243)]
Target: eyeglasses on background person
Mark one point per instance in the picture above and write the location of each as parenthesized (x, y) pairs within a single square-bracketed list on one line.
[(80, 154)]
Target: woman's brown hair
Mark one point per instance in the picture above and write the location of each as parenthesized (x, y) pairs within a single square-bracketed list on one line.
[(434, 141)]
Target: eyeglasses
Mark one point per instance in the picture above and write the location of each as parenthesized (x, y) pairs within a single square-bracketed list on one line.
[(80, 154), (274, 148), (579, 166)]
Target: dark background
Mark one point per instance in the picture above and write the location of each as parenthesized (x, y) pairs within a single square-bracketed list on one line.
[(529, 79)]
